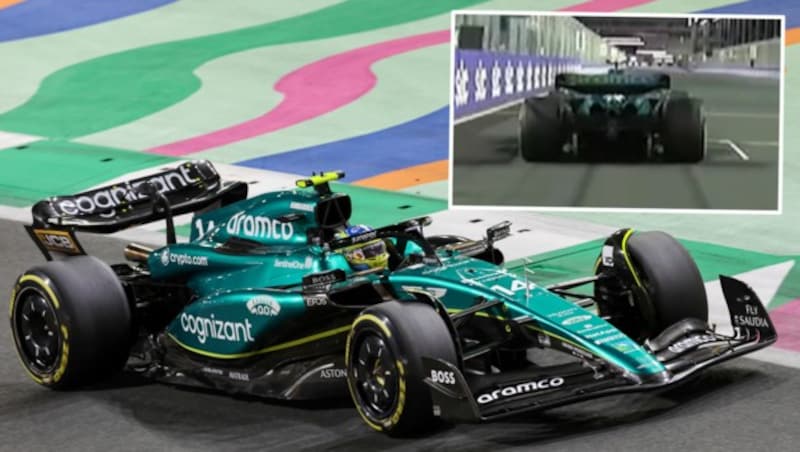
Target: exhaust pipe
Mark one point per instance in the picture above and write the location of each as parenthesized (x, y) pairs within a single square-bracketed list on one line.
[(137, 253)]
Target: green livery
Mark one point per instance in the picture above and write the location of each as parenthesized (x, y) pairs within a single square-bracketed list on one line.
[(265, 299)]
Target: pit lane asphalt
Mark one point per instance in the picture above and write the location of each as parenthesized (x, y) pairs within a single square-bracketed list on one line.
[(489, 171), (740, 405)]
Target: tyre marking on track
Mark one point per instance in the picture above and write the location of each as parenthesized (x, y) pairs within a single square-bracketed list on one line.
[(733, 146)]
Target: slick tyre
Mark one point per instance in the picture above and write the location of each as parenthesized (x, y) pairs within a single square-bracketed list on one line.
[(71, 322), (684, 130), (671, 281), (385, 372), (541, 129)]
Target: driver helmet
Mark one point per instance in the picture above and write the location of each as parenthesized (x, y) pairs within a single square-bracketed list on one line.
[(363, 256)]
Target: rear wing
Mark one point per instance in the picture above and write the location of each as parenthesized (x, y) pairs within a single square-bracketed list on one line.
[(616, 82), (189, 187)]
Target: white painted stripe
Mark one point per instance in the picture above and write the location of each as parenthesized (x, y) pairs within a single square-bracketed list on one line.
[(486, 112), (735, 149), (778, 356), (12, 140), (760, 143), (21, 214), (742, 114)]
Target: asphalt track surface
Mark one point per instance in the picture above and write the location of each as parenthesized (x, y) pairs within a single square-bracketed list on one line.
[(740, 405), (742, 116)]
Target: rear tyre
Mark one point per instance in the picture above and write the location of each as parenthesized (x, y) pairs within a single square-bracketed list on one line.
[(385, 372), (670, 279), (541, 129), (71, 322), (684, 131)]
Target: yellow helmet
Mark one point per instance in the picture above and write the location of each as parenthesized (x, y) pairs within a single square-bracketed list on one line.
[(367, 255)]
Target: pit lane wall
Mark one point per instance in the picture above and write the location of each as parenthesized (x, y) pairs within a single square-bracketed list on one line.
[(519, 56), (483, 80), (754, 58)]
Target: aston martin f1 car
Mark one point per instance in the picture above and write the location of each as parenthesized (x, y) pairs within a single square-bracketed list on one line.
[(615, 116), (262, 301)]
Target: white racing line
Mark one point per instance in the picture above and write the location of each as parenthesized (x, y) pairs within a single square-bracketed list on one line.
[(739, 151), (486, 112), (12, 140), (735, 147)]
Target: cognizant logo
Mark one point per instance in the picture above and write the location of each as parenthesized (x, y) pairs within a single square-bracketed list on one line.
[(221, 330), (107, 199), (522, 388)]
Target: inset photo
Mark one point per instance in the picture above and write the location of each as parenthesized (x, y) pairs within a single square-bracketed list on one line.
[(556, 111)]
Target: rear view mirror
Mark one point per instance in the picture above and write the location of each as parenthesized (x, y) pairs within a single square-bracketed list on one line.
[(498, 232)]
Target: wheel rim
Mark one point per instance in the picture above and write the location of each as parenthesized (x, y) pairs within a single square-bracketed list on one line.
[(375, 376), (36, 328)]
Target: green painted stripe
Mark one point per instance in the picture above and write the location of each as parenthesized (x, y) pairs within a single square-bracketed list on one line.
[(35, 59), (46, 168), (116, 89)]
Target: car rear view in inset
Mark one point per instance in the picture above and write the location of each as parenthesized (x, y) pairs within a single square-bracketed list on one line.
[(616, 111), (619, 115)]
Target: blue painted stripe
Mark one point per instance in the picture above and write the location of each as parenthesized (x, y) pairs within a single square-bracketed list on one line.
[(40, 17), (419, 141), (790, 8)]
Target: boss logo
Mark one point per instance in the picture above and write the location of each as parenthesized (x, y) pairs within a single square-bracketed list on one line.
[(443, 377)]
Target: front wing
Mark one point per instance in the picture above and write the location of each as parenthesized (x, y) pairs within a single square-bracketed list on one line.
[(460, 398)]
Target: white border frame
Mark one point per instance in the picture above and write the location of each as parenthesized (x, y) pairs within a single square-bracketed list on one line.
[(576, 209)]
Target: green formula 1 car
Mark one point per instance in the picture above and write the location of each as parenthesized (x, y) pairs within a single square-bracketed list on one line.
[(615, 116), (268, 299)]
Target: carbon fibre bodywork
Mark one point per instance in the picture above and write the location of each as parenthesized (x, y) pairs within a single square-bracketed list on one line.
[(611, 115), (260, 301)]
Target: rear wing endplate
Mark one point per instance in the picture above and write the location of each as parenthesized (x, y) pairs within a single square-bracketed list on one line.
[(188, 187)]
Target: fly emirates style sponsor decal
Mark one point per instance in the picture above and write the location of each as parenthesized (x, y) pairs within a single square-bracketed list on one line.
[(256, 226), (222, 330), (751, 318), (105, 201)]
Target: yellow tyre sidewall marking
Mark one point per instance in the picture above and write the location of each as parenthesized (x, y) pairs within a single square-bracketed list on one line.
[(401, 385), (64, 358), (628, 259)]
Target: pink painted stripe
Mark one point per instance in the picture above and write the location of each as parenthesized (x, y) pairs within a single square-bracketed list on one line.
[(311, 91), (604, 6), (786, 319)]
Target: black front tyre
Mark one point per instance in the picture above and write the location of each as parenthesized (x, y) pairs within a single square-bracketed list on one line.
[(385, 372), (71, 322), (670, 278)]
